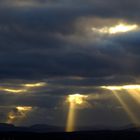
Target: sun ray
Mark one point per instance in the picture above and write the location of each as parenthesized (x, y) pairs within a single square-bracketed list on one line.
[(135, 94), (129, 112), (70, 122), (74, 100)]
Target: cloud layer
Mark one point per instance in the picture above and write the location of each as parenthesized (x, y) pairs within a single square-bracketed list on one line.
[(53, 41)]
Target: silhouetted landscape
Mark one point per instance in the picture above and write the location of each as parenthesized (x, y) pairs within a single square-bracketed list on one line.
[(10, 132)]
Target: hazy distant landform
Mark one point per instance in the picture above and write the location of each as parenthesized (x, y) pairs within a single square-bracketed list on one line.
[(44, 128), (8, 131)]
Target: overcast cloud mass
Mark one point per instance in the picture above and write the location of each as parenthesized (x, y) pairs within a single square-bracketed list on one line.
[(53, 42)]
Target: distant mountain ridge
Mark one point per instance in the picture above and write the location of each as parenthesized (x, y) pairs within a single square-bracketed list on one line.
[(34, 128), (43, 128)]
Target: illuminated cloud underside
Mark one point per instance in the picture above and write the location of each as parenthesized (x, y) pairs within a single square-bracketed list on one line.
[(35, 84), (20, 113), (123, 87), (24, 108), (13, 90), (120, 28), (24, 88)]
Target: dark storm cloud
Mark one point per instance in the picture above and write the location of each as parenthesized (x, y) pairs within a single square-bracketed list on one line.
[(92, 82), (52, 41), (39, 42), (113, 8), (44, 101), (131, 41)]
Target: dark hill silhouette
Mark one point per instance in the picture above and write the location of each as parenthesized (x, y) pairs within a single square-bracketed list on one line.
[(48, 132), (34, 128)]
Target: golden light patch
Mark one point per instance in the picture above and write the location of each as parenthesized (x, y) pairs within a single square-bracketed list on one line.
[(23, 87), (112, 87), (24, 108), (131, 86), (120, 28), (14, 90), (35, 84), (76, 98), (18, 114), (124, 87), (11, 116)]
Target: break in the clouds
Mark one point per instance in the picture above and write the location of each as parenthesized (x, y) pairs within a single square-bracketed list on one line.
[(50, 49)]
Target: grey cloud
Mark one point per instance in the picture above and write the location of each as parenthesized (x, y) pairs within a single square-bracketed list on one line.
[(52, 41), (38, 43)]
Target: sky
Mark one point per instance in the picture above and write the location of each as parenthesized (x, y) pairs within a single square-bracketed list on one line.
[(62, 58)]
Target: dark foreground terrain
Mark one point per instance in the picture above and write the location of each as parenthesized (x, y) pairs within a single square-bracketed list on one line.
[(88, 135)]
